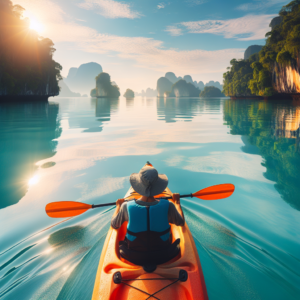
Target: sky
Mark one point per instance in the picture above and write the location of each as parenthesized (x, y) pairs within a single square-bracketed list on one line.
[(138, 41)]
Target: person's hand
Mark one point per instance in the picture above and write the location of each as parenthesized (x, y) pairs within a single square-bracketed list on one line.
[(120, 201), (176, 198)]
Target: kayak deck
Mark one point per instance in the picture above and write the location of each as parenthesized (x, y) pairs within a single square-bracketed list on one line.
[(136, 283)]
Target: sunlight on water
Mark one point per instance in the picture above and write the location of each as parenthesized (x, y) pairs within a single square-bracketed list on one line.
[(83, 149)]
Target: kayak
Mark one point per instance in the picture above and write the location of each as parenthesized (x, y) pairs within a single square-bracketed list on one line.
[(181, 278)]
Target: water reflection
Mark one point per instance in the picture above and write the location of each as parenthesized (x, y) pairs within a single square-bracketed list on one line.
[(27, 133), (173, 110), (84, 117), (177, 109), (129, 102), (271, 130)]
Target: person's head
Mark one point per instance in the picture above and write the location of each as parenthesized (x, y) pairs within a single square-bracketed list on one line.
[(148, 182)]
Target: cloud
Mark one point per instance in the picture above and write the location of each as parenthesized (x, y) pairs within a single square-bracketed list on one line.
[(260, 5), (141, 52), (242, 165), (110, 9), (161, 5), (174, 31), (247, 28), (196, 2)]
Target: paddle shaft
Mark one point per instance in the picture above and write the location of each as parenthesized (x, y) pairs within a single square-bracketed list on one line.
[(106, 204), (114, 203)]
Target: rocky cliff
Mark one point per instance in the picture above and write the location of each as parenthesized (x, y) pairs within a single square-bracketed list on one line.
[(82, 79)]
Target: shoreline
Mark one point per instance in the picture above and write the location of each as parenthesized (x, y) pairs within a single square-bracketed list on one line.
[(276, 97), (25, 98)]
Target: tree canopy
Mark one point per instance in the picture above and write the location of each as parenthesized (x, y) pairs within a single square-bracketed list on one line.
[(26, 63), (104, 87), (211, 91), (273, 71), (237, 78)]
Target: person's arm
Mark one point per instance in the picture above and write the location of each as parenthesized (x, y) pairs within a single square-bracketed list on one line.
[(118, 217), (175, 213), (176, 199)]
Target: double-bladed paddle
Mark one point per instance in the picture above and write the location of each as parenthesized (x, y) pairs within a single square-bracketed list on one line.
[(65, 209)]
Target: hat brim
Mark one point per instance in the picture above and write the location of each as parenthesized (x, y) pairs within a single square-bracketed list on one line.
[(160, 184)]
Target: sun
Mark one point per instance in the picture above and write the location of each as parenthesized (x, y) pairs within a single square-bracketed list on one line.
[(35, 25)]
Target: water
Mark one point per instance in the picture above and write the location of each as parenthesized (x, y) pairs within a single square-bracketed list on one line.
[(85, 149)]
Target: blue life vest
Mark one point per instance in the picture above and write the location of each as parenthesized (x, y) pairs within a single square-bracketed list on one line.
[(148, 227)]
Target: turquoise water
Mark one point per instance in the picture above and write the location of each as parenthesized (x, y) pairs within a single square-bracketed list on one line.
[(85, 149)]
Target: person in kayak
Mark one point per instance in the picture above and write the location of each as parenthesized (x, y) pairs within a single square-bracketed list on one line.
[(148, 239)]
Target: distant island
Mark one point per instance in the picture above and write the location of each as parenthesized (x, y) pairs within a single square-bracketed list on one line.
[(64, 90), (148, 93), (273, 72), (82, 79), (172, 86), (27, 72), (104, 87), (211, 91), (129, 93)]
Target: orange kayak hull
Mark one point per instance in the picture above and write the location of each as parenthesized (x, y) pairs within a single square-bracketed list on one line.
[(188, 260)]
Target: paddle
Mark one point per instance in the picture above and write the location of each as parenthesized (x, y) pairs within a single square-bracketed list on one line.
[(65, 209)]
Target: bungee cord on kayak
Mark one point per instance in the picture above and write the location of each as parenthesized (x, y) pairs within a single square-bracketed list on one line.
[(183, 276)]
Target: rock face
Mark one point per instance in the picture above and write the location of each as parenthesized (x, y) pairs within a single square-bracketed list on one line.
[(276, 21), (188, 79), (65, 91), (252, 50), (105, 88), (215, 84), (163, 85), (211, 91), (185, 89), (82, 80), (171, 76), (72, 73), (93, 92), (201, 85)]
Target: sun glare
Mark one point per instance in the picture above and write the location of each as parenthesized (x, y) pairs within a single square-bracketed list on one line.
[(33, 180), (35, 25)]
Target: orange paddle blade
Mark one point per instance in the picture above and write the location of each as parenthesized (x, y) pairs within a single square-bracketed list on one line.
[(66, 209), (215, 192)]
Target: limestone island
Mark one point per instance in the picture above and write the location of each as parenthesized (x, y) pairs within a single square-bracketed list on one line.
[(104, 87), (211, 91), (27, 69), (273, 73), (129, 94)]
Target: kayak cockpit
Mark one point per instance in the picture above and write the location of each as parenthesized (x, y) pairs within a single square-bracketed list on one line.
[(175, 234)]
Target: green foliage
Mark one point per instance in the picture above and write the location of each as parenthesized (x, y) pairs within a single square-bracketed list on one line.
[(26, 64), (236, 80), (183, 88), (282, 47), (211, 91), (104, 86), (129, 93)]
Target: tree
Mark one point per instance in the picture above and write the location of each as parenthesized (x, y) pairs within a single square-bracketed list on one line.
[(26, 63), (274, 68), (211, 91)]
